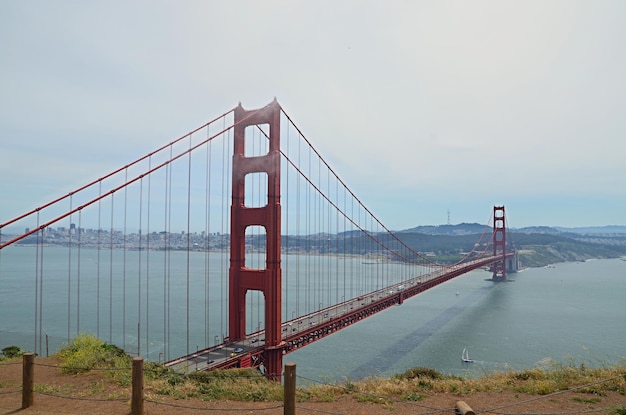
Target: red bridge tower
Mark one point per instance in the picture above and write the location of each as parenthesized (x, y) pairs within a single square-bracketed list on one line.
[(499, 243), (241, 278)]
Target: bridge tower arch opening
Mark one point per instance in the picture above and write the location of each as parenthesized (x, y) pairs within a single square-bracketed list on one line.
[(268, 280), (499, 243)]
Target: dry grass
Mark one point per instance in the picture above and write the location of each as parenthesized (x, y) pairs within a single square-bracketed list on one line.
[(248, 385), (417, 383)]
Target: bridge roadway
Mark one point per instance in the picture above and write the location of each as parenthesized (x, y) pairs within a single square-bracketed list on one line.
[(311, 327)]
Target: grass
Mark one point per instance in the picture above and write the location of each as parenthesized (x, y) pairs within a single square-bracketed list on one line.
[(236, 385), (416, 383), (620, 411), (87, 353)]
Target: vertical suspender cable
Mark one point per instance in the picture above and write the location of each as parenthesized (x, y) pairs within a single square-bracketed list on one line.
[(41, 286), (168, 232), (139, 273), (380, 263), (316, 244), (308, 240), (310, 231), (169, 254), (336, 251), (148, 203), (343, 249), (188, 236), (165, 254), (80, 226), (98, 261), (319, 229), (207, 232), (110, 271), (41, 290), (327, 243), (124, 261), (38, 247), (298, 233), (352, 245), (332, 247), (69, 272), (360, 251)]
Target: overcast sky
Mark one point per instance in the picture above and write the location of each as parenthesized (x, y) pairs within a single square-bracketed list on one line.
[(420, 107)]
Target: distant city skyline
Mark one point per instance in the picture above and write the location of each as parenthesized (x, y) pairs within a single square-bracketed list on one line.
[(15, 230), (429, 111)]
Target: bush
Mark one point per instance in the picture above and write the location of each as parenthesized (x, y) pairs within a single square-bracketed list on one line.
[(86, 352), (12, 351), (419, 372)]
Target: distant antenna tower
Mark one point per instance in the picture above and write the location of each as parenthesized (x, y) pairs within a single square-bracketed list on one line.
[(448, 216)]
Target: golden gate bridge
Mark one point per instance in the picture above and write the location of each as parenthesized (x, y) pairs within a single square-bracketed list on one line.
[(276, 251)]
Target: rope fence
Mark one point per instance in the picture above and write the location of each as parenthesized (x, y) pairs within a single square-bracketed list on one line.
[(173, 405), (77, 398), (289, 404)]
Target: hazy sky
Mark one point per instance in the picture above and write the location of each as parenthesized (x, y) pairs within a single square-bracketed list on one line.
[(420, 107)]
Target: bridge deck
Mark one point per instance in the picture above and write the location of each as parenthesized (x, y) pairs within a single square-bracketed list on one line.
[(311, 327)]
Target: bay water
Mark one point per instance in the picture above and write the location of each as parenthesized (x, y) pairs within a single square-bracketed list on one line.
[(570, 313), (566, 314)]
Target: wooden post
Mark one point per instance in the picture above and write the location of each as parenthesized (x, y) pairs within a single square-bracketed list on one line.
[(137, 398), (464, 409), (289, 394), (28, 365)]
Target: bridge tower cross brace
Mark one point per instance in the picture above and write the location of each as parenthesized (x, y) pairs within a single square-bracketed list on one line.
[(499, 243), (241, 278)]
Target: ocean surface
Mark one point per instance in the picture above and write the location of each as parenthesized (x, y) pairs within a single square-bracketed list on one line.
[(570, 313)]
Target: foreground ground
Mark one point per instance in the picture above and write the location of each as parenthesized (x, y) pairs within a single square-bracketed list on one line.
[(95, 393)]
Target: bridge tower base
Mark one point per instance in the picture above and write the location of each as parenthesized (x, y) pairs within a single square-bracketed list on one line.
[(241, 278), (499, 243)]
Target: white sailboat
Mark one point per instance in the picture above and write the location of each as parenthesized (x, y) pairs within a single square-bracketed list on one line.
[(465, 356)]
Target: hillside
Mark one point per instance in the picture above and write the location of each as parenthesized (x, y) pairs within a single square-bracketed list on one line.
[(537, 246), (567, 390)]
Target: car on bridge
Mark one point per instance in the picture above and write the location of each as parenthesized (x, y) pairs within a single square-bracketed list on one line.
[(236, 351)]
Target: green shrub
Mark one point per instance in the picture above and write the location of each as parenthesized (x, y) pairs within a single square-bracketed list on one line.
[(12, 351), (530, 374), (154, 370), (86, 352), (419, 372)]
